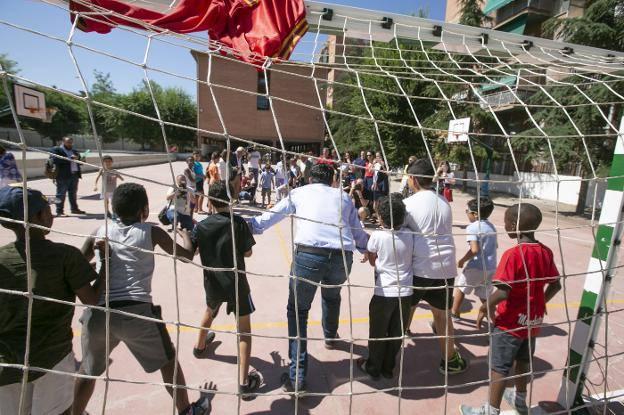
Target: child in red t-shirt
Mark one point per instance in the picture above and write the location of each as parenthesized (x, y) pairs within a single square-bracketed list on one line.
[(525, 272)]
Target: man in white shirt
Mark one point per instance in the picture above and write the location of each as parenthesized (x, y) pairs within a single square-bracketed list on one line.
[(321, 210), (253, 158), (429, 216)]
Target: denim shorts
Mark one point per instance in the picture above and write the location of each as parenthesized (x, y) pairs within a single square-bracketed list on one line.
[(506, 348)]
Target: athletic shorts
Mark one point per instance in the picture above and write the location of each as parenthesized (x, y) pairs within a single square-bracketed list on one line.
[(506, 348), (216, 295), (266, 192), (477, 280), (52, 393), (199, 187), (149, 342), (437, 292)]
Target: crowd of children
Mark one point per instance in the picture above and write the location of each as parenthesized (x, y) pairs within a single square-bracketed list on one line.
[(412, 252)]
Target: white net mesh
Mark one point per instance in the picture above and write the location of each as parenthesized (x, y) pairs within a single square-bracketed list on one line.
[(543, 126)]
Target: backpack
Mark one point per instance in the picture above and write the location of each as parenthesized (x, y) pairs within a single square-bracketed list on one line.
[(50, 169)]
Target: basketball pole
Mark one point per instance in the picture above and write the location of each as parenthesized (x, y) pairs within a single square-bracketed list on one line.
[(600, 272)]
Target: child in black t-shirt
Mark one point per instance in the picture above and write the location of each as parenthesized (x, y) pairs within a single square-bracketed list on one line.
[(213, 238)]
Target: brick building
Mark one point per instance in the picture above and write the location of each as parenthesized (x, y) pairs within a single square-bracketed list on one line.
[(246, 112)]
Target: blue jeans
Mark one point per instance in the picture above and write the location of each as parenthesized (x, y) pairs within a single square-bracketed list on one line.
[(66, 186), (184, 221), (317, 268)]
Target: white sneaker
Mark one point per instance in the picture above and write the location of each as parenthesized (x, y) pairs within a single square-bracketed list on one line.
[(484, 409), (519, 405)]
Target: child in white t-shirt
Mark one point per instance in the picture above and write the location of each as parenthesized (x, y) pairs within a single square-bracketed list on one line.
[(390, 252), (479, 261), (111, 182)]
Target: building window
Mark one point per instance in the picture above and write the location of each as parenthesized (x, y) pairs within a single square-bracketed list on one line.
[(262, 101)]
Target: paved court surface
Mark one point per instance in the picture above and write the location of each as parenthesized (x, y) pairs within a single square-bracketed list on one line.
[(330, 371)]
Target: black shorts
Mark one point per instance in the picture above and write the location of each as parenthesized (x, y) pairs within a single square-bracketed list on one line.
[(506, 348), (217, 295), (440, 298), (199, 187)]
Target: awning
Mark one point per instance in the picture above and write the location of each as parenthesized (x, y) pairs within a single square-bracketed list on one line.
[(515, 26), (507, 80), (493, 5)]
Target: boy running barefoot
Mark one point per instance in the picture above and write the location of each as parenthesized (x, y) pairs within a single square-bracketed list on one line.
[(525, 280), (480, 259), (130, 290), (213, 238), (391, 255)]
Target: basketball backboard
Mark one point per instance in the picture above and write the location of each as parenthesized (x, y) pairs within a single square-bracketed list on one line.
[(458, 130), (30, 102)]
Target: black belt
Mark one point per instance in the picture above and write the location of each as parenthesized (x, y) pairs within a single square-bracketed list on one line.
[(317, 250)]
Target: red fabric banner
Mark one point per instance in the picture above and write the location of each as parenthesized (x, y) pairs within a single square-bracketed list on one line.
[(254, 28)]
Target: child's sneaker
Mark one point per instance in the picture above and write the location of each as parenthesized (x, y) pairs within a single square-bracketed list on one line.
[(455, 366), (516, 400), (455, 317), (485, 409), (201, 406), (205, 352), (254, 382)]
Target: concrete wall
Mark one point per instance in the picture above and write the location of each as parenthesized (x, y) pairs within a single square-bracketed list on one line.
[(82, 142), (541, 186), (242, 119)]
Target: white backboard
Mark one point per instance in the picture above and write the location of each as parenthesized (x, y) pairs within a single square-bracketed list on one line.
[(30, 102), (458, 130)]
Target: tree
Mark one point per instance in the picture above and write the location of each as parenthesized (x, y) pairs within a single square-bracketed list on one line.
[(601, 26), (107, 121), (175, 106), (471, 13), (70, 118), (10, 66)]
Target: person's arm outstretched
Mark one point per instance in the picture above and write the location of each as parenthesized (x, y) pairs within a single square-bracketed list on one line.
[(162, 239), (471, 253), (261, 223)]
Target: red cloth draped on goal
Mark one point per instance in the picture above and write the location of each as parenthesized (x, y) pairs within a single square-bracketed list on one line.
[(261, 27)]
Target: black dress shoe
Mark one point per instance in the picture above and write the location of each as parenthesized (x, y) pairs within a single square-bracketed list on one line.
[(78, 212)]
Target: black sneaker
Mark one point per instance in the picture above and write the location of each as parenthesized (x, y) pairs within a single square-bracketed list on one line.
[(78, 212), (205, 352), (287, 385), (254, 382), (331, 344), (455, 366)]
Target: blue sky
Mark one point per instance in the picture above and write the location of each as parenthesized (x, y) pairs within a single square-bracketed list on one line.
[(48, 62)]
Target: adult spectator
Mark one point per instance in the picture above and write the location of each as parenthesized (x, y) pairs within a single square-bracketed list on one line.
[(360, 164), (9, 173), (446, 180), (369, 176), (381, 186), (253, 158), (325, 158), (295, 173), (318, 258), (237, 162), (68, 174), (305, 166), (59, 272), (405, 188), (200, 177), (222, 165), (434, 264), (346, 169)]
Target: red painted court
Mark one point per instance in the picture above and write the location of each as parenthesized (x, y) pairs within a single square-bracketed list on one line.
[(335, 385)]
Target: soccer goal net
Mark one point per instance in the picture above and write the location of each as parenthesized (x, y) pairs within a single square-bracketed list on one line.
[(493, 119)]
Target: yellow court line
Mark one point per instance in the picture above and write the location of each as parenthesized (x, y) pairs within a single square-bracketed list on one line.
[(357, 320), (360, 320)]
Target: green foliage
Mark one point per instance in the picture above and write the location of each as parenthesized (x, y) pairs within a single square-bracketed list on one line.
[(9, 66), (471, 13), (602, 26), (107, 121), (175, 106), (70, 117)]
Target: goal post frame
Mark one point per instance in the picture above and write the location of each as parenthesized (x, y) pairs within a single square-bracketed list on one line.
[(600, 272)]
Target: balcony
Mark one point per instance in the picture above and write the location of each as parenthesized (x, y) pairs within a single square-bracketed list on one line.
[(502, 100), (546, 8)]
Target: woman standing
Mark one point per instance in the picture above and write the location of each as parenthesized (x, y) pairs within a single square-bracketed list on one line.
[(9, 173), (446, 180)]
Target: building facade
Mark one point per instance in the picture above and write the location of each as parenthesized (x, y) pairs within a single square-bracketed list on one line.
[(241, 94)]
